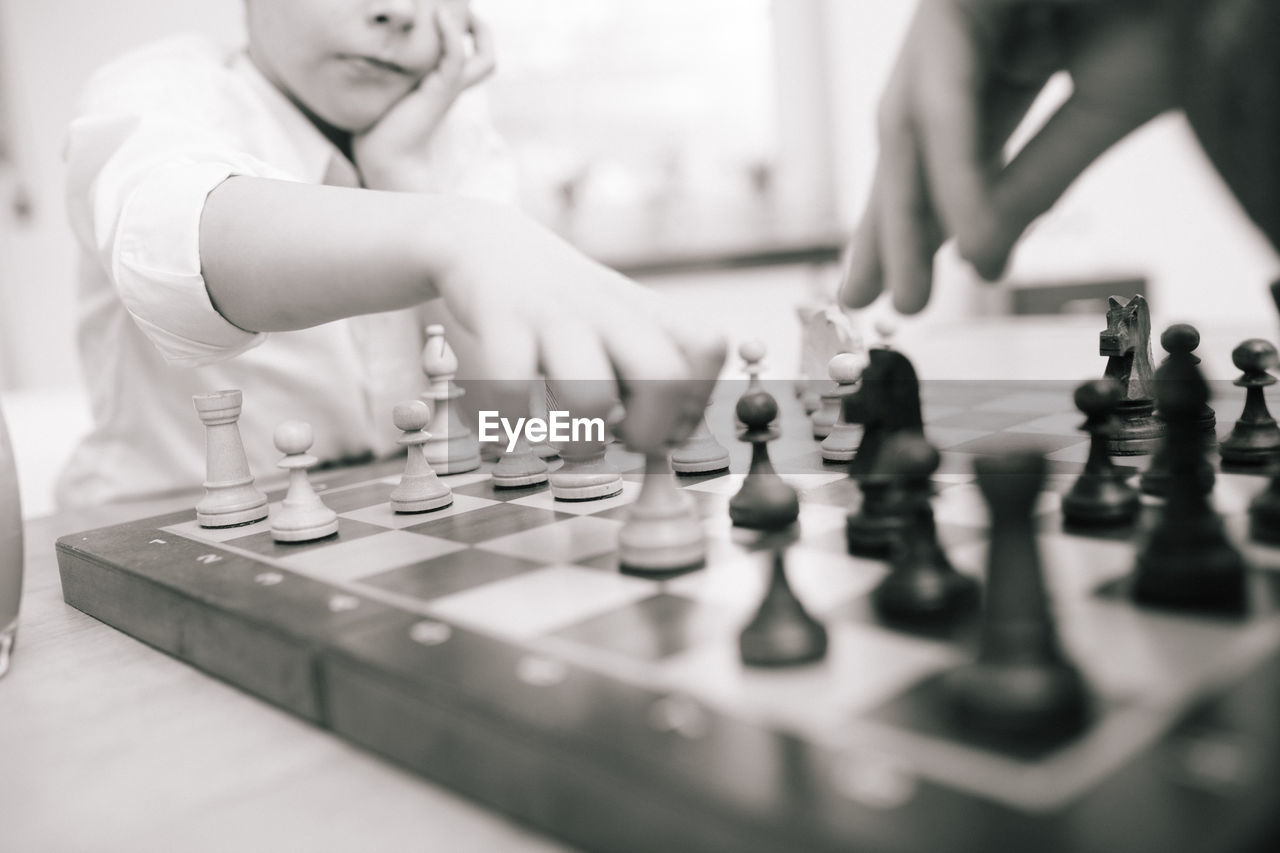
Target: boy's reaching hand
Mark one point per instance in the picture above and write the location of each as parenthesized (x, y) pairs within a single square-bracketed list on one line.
[(391, 154), (966, 75), (538, 305)]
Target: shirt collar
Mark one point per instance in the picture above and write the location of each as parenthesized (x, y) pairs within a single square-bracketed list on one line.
[(316, 153)]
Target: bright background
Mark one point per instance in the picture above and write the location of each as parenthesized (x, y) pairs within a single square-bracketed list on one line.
[(641, 127)]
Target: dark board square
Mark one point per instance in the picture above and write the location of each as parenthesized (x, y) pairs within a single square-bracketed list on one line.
[(960, 631), (1016, 442), (485, 489), (450, 573), (262, 543), (1262, 597), (655, 628), (985, 420), (358, 497), (488, 523), (927, 708)]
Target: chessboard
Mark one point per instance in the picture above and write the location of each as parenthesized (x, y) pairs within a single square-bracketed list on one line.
[(496, 647)]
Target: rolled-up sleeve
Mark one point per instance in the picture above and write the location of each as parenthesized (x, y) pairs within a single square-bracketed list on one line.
[(142, 159)]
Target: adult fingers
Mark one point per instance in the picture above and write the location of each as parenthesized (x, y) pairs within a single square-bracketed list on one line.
[(863, 278), (947, 88), (907, 226)]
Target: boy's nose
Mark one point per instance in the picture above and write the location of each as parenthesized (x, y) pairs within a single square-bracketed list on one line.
[(394, 14)]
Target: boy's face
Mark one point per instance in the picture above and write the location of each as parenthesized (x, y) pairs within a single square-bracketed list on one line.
[(347, 61)]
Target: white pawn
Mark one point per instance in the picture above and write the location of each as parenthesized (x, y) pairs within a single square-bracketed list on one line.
[(700, 453), (302, 516), (230, 497), (842, 442), (752, 353), (662, 532), (519, 467), (420, 490), (886, 327), (452, 448), (538, 409)]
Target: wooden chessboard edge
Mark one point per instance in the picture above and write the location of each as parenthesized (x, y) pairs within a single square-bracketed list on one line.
[(196, 634), (567, 794)]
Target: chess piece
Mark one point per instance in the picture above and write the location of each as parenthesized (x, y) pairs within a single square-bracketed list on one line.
[(586, 474), (1021, 685), (842, 440), (420, 490), (1155, 480), (452, 448), (302, 516), (1255, 439), (1186, 561), (765, 501), (886, 327), (782, 632), (662, 532), (825, 332), (887, 403), (828, 411), (1180, 341), (752, 353), (230, 496), (519, 467), (1126, 342), (1100, 496), (922, 586), (700, 453), (544, 450)]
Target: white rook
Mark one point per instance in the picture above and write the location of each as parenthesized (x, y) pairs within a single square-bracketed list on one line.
[(230, 498)]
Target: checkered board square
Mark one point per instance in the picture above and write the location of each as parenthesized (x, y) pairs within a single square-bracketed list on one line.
[(499, 633)]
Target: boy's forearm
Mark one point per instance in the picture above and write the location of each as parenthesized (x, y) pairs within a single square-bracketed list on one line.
[(278, 255)]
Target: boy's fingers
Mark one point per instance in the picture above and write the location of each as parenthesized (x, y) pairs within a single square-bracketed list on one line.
[(651, 369), (453, 44), (482, 61), (573, 358)]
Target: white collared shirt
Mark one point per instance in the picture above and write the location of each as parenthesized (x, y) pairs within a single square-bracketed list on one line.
[(156, 131)]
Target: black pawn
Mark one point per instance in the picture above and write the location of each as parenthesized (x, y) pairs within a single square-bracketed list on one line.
[(1155, 480), (1180, 341), (782, 633), (1101, 496), (922, 586), (1022, 685), (765, 501), (1186, 561), (1256, 438)]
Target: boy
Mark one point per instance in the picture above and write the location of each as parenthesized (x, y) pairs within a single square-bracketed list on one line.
[(268, 222), (969, 70)]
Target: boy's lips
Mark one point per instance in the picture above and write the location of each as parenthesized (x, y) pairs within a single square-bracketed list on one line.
[(376, 64)]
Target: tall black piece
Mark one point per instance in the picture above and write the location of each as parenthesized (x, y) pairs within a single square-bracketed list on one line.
[(887, 404), (1186, 561), (1101, 496), (1022, 684), (922, 586)]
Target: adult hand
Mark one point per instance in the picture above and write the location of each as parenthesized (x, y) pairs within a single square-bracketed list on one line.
[(966, 76)]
